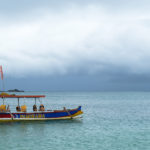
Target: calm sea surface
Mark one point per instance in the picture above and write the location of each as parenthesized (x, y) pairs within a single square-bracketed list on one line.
[(111, 121)]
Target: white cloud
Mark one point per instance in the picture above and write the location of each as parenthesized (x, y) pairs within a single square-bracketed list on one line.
[(80, 38)]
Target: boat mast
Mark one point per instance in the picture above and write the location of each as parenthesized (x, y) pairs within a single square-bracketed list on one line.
[(2, 78), (3, 86)]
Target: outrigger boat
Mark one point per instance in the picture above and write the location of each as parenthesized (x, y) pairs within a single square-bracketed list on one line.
[(22, 114)]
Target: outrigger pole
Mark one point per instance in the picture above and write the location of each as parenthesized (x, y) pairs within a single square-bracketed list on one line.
[(68, 112)]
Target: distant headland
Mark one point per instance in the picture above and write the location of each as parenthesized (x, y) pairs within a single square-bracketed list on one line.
[(13, 90)]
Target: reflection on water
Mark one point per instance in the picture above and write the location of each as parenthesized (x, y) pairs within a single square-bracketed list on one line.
[(111, 121)]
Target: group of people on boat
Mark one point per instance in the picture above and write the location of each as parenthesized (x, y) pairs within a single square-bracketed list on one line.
[(19, 108), (23, 108), (41, 107)]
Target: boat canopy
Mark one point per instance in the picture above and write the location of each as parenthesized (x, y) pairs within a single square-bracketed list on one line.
[(22, 96)]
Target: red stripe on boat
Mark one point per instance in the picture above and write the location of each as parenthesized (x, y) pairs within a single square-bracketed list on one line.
[(5, 115)]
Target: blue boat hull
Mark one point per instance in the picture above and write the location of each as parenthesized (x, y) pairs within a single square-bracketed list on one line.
[(46, 115)]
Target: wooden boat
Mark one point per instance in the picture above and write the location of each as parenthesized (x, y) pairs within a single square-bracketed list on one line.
[(22, 114)]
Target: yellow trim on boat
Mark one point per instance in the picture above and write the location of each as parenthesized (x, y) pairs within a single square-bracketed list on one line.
[(78, 113)]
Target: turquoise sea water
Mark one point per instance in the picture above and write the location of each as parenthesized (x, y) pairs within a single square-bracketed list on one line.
[(111, 121)]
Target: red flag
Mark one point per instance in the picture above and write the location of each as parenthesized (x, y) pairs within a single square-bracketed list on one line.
[(1, 71)]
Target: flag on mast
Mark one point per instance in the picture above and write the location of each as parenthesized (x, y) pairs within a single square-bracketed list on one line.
[(1, 71)]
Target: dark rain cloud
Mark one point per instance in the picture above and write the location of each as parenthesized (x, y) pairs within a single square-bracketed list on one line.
[(85, 45)]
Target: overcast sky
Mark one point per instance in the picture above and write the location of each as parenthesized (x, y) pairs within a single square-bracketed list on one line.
[(75, 45)]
